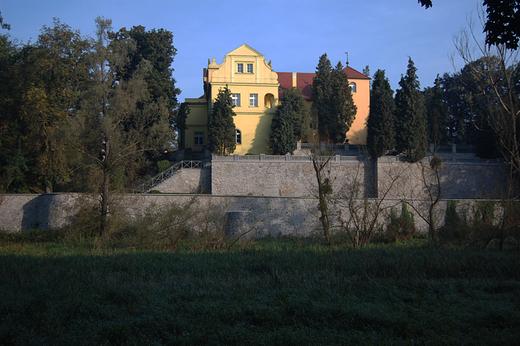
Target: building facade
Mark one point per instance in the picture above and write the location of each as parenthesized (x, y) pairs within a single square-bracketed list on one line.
[(256, 90)]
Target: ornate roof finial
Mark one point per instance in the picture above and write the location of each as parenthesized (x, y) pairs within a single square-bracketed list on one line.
[(347, 57)]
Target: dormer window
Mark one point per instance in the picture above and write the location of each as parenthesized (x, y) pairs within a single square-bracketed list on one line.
[(240, 68), (249, 68)]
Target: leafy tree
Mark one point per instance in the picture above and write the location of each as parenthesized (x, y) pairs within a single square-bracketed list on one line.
[(333, 107), (155, 46), (282, 131), (2, 24), (380, 121), (300, 112), (13, 163), (117, 122), (468, 96), (222, 130), (502, 25), (56, 71), (425, 3), (496, 71), (503, 22), (437, 114), (40, 85), (410, 117)]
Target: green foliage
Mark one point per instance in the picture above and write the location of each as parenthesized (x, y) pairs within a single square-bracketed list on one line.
[(179, 122), (488, 226), (299, 110), (282, 135), (436, 163), (162, 165), (402, 227), (222, 130), (410, 117), (437, 114), (47, 90), (333, 108), (468, 95), (380, 121), (2, 24), (455, 228), (484, 212), (502, 23), (512, 223), (156, 47), (452, 218)]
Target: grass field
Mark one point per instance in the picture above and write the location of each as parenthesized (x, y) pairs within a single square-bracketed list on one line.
[(273, 292)]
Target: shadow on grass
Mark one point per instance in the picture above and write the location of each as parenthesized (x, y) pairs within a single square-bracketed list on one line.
[(284, 293)]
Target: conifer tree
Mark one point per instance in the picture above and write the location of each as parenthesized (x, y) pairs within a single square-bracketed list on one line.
[(380, 121), (300, 111), (222, 130), (321, 91), (333, 107), (410, 117), (282, 131), (344, 109), (437, 114)]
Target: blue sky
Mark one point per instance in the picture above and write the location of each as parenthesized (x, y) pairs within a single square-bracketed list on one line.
[(292, 34)]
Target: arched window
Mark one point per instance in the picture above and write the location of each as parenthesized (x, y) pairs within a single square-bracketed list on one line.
[(238, 136), (352, 87), (269, 100)]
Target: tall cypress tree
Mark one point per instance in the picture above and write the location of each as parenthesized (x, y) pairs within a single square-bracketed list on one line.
[(344, 109), (300, 111), (222, 130), (333, 107), (437, 114), (380, 121), (321, 91), (282, 131), (410, 117)]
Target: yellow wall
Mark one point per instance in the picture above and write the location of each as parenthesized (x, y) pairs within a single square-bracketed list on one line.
[(197, 121), (358, 131), (254, 123)]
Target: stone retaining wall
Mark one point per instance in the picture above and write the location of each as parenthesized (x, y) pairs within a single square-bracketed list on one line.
[(459, 180), (238, 215)]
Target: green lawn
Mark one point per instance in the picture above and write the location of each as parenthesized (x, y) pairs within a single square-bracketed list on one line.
[(277, 292)]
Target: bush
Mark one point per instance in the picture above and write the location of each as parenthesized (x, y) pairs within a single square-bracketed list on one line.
[(402, 227), (512, 224), (162, 165), (455, 228)]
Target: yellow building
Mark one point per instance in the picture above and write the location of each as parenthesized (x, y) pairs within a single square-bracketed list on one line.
[(256, 89)]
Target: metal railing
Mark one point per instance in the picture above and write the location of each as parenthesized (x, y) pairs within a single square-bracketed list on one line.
[(278, 158), (159, 178)]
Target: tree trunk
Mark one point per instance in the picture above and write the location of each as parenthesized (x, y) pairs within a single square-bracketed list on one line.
[(104, 206)]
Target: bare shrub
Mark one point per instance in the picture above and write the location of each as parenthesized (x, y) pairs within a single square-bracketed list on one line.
[(160, 226)]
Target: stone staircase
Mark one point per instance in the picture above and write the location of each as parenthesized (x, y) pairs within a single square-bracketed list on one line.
[(167, 173)]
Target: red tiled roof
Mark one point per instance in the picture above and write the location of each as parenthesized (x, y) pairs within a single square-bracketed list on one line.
[(304, 81)]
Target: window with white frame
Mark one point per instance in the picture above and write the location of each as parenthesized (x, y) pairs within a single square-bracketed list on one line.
[(199, 138), (235, 98), (353, 87), (253, 100), (240, 68), (249, 68), (238, 135)]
